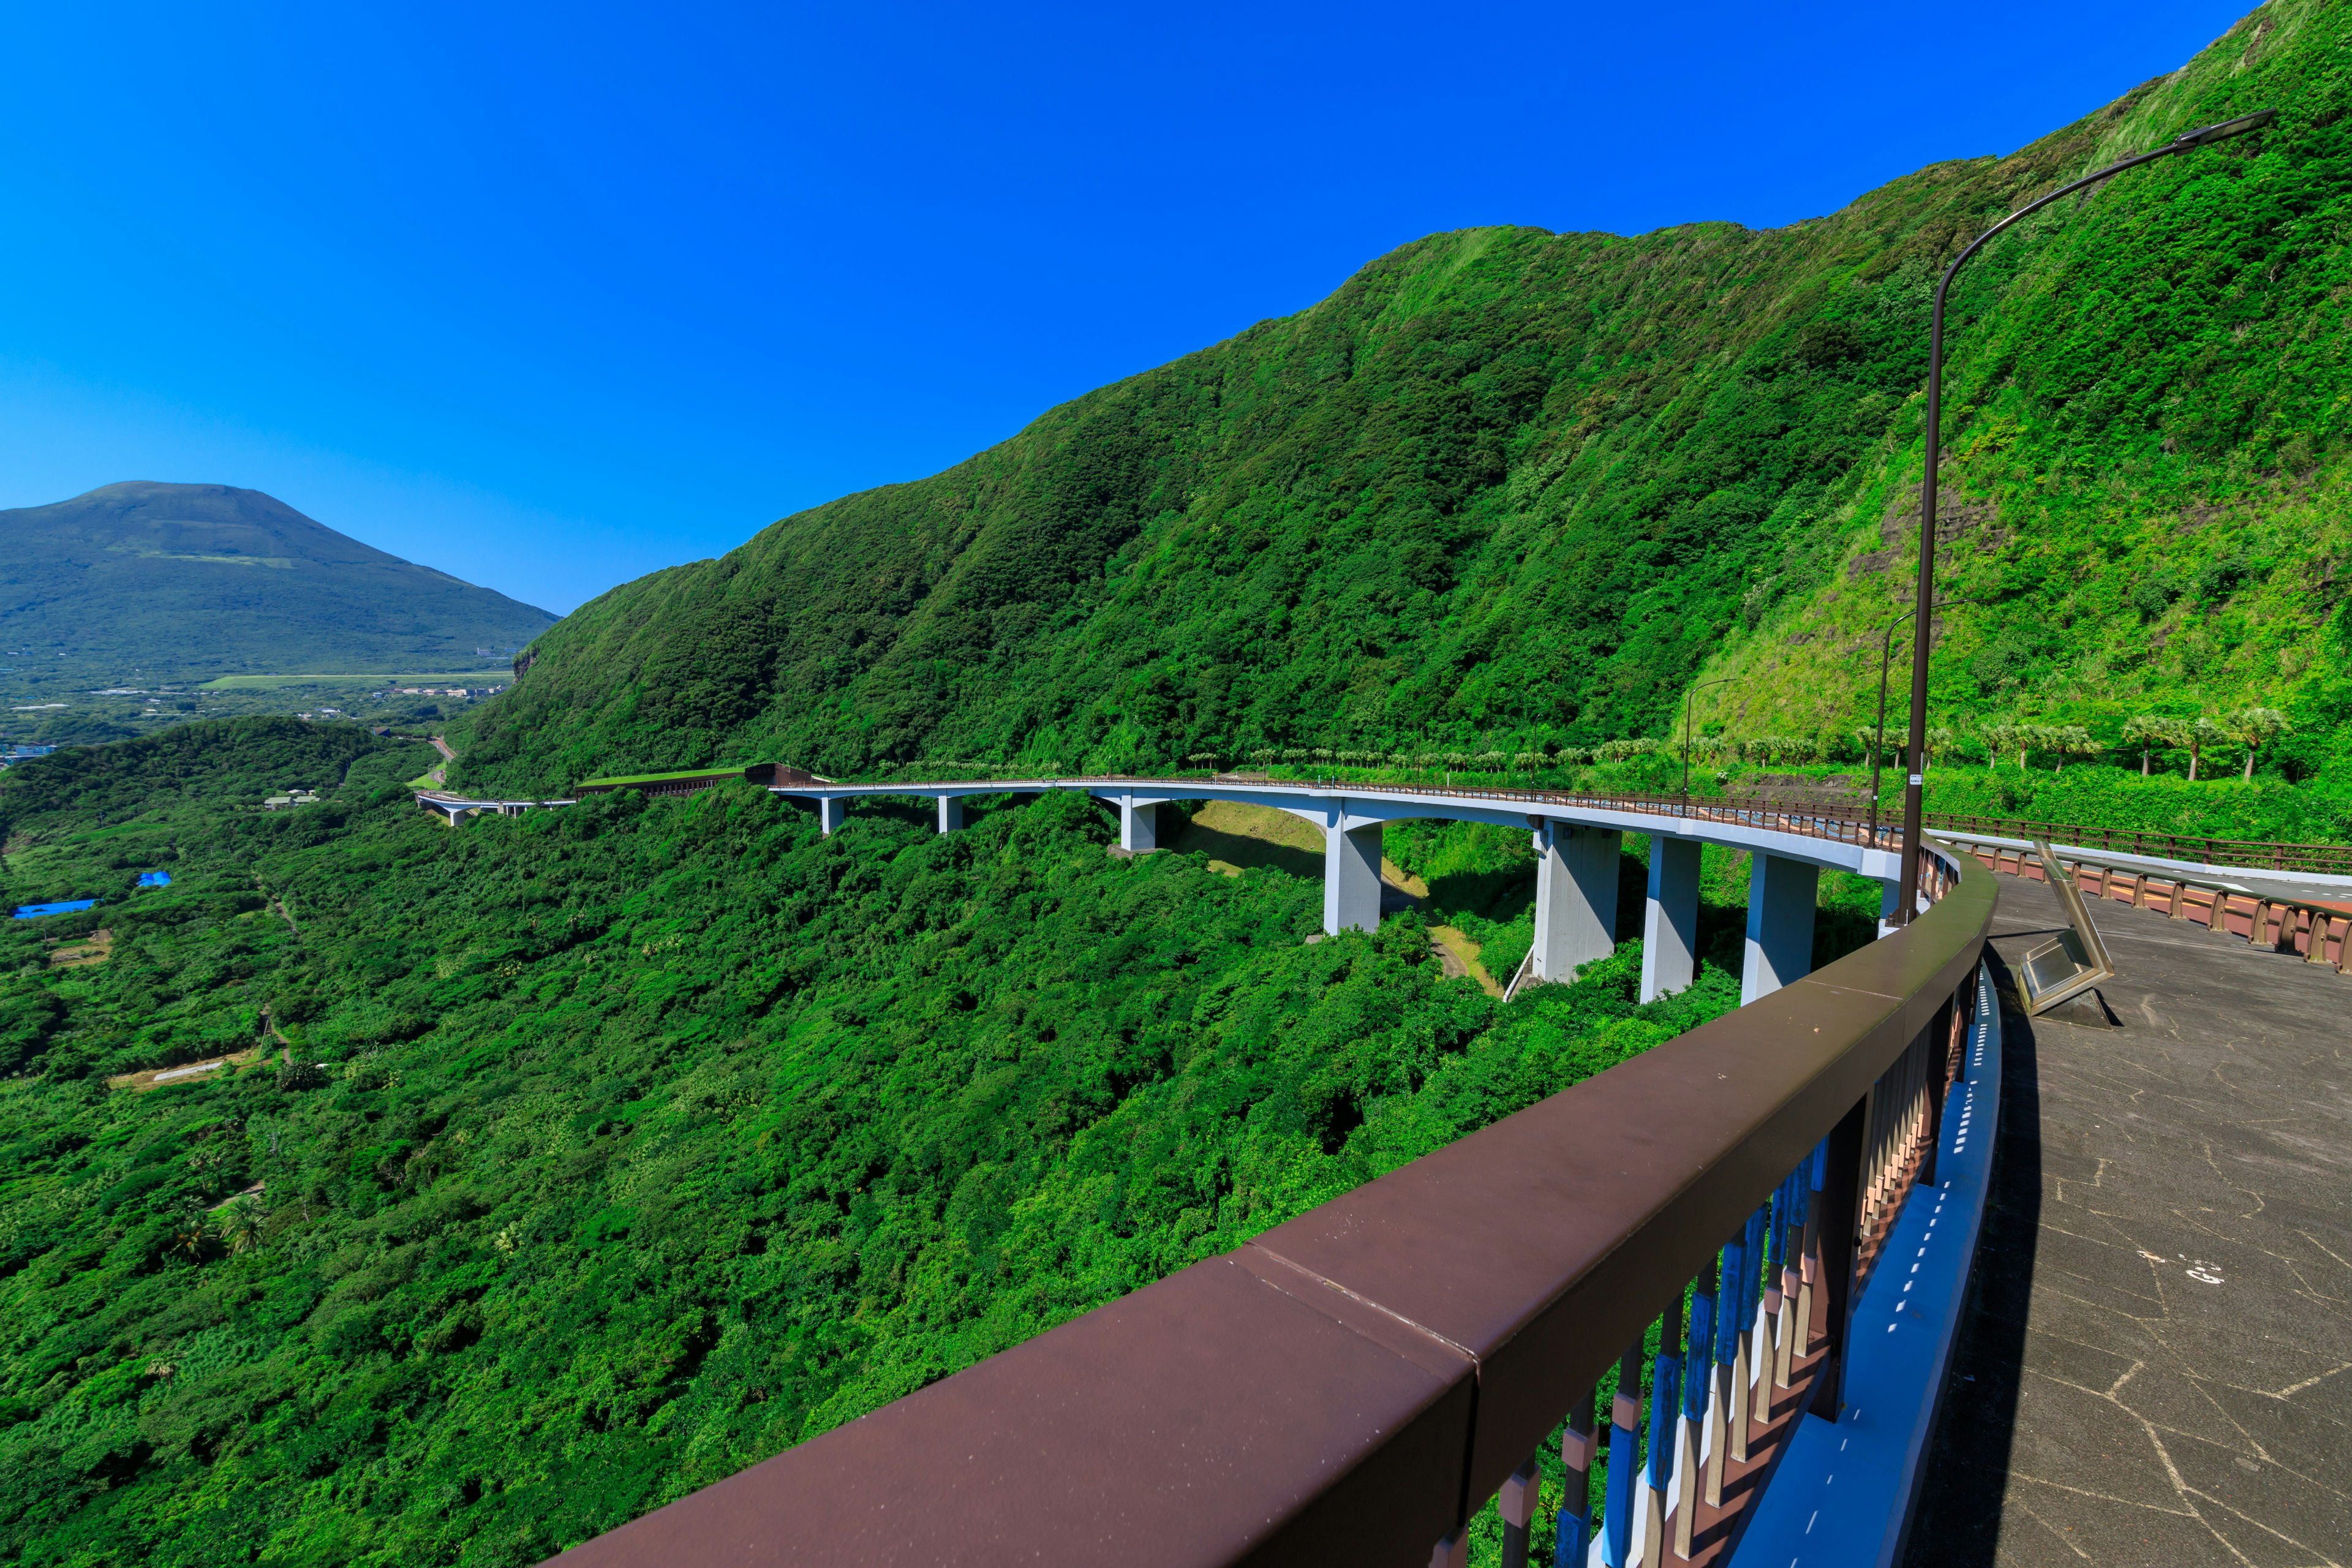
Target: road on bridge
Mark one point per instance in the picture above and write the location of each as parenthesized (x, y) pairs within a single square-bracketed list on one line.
[(2157, 1366)]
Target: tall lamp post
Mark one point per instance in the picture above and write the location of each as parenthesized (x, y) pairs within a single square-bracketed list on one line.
[(1878, 736), (1925, 598)]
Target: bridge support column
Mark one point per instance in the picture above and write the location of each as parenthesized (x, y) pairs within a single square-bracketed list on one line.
[(831, 812), (1670, 921), (951, 813), (1138, 825), (1576, 898), (1779, 925), (1351, 877)]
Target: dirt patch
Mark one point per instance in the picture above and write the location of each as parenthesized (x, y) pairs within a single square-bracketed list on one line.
[(1457, 954), (97, 949), (187, 1072), (1236, 837)]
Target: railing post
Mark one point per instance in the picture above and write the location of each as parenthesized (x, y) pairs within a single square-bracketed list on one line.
[(1665, 1416), (1743, 1371), (1624, 1463), (1698, 1348), (1517, 1504), (1719, 1404), (1780, 1301), (1808, 1259), (1937, 1070), (1574, 1534), (1838, 1205)]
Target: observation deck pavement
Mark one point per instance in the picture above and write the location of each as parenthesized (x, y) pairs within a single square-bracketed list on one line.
[(2156, 1368)]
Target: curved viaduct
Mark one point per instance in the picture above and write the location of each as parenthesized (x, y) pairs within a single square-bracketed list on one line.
[(1576, 841)]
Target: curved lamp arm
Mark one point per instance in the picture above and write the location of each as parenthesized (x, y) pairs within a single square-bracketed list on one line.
[(1924, 600)]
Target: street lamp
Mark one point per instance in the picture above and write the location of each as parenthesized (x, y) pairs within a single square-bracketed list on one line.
[(1924, 597), (1878, 736), (1688, 697)]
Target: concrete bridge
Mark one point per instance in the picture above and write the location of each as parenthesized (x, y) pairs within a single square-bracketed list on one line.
[(1576, 838)]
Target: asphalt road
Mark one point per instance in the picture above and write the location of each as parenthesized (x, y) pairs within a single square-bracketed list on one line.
[(2157, 1365)]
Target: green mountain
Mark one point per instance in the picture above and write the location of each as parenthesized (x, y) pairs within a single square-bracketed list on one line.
[(1510, 487), (181, 582)]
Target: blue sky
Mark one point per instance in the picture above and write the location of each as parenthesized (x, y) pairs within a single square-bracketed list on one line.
[(550, 298)]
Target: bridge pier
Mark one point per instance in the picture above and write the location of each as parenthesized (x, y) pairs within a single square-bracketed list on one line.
[(1670, 920), (1138, 825), (1781, 896), (1351, 876), (831, 811), (1576, 898), (951, 813)]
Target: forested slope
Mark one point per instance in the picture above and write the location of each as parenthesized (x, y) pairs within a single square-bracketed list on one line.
[(568, 1162), (2146, 506), (1511, 486)]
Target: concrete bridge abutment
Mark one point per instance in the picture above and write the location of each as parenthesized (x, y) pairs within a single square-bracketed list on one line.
[(1576, 896), (1670, 920), (1780, 897)]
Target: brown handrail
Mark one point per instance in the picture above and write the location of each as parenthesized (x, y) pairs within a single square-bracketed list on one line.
[(2311, 923), (1350, 1386)]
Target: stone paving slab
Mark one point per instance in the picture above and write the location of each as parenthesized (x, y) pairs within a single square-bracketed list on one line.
[(2157, 1369)]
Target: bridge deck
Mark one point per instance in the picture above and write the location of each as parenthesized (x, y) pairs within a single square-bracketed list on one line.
[(2157, 1369)]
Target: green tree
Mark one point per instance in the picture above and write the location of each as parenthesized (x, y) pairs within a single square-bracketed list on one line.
[(2149, 730), (2256, 726), (2202, 735), (2074, 740)]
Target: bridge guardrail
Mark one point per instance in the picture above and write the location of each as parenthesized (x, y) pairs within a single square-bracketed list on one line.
[(2328, 859), (2284, 925), (1354, 1384)]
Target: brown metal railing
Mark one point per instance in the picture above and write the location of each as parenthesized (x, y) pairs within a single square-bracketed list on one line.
[(1354, 1384), (1832, 819), (2317, 933)]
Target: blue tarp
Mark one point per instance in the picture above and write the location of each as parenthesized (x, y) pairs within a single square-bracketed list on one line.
[(35, 911), (154, 878)]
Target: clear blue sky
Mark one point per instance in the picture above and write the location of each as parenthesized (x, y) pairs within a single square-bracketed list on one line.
[(551, 297)]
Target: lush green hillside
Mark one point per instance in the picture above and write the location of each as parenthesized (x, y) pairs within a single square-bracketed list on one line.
[(1507, 487), (2147, 486), (138, 585), (604, 1152)]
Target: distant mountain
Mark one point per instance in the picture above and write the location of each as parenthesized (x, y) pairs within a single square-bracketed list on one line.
[(193, 581)]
